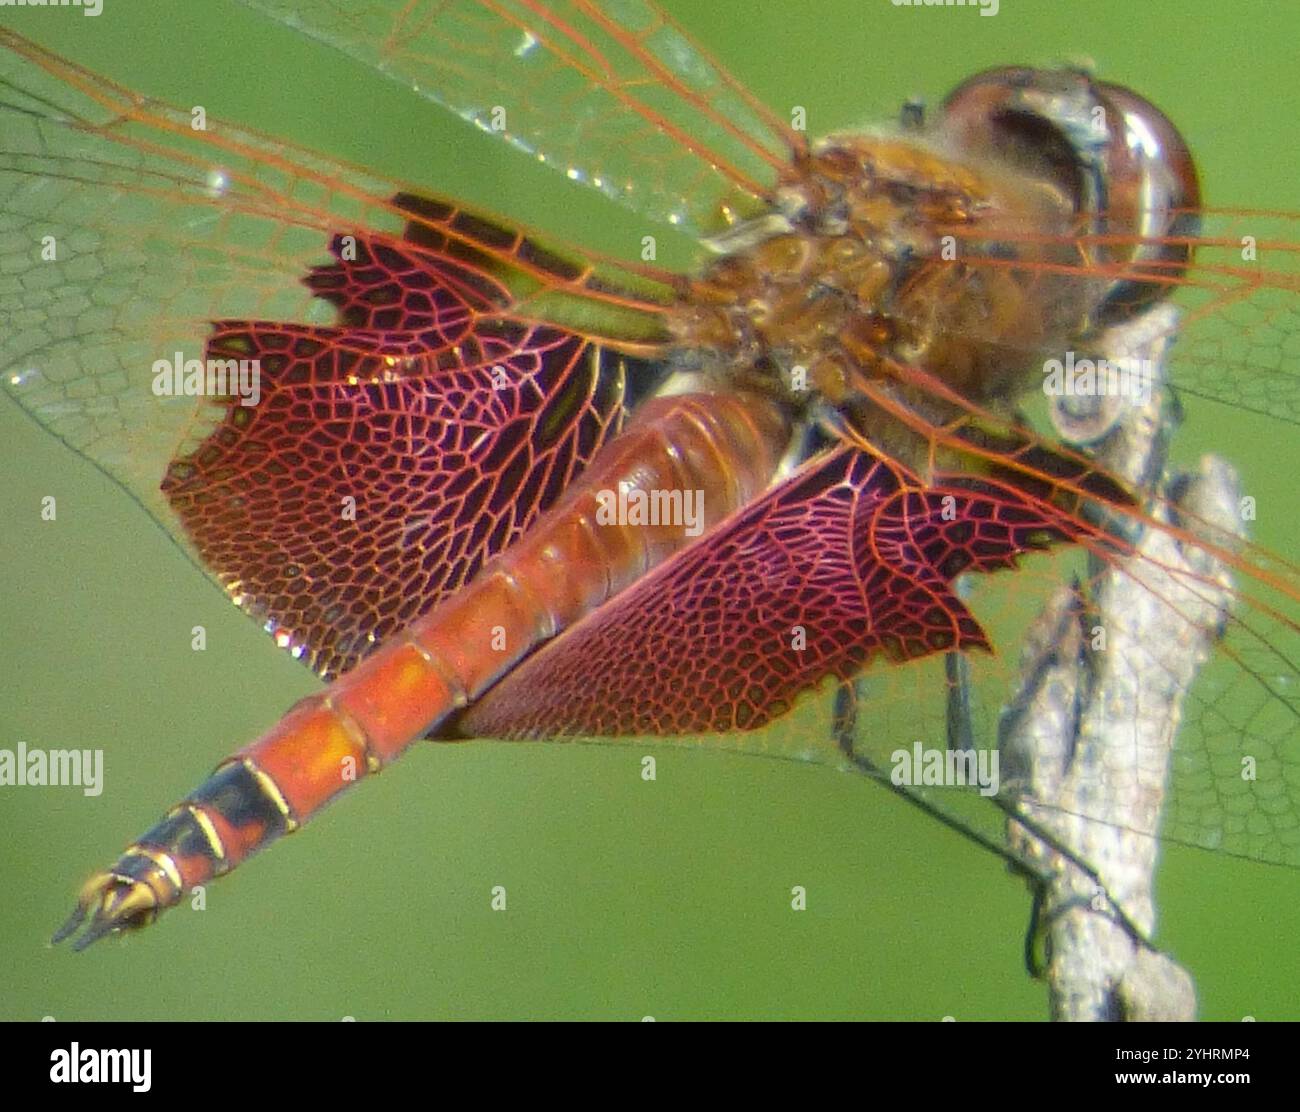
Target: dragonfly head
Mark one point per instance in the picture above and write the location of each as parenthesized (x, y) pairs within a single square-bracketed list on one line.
[(1115, 158)]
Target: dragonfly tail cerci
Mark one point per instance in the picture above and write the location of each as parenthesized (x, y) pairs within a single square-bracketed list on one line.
[(512, 490)]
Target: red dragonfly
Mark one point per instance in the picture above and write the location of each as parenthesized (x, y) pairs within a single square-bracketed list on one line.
[(403, 454)]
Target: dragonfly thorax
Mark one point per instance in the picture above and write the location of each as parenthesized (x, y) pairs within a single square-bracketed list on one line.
[(867, 273)]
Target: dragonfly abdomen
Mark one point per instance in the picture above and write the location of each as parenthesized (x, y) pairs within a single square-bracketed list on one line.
[(723, 449)]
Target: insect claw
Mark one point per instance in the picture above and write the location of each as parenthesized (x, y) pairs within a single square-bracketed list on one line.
[(108, 903)]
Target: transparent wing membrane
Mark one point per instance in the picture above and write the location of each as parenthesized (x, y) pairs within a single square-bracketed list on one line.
[(125, 234), (611, 95)]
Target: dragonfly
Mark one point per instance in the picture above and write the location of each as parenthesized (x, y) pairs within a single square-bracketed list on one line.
[(805, 435)]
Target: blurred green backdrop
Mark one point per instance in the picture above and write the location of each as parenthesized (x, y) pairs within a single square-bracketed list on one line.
[(627, 899)]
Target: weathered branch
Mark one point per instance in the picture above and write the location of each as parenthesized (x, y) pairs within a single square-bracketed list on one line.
[(1089, 736)]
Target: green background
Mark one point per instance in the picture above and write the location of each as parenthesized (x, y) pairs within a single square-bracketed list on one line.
[(627, 899)]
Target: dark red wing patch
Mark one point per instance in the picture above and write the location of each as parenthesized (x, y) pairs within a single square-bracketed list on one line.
[(846, 559), (381, 285), (387, 459)]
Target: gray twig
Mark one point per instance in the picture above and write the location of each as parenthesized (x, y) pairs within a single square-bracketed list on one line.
[(1088, 738)]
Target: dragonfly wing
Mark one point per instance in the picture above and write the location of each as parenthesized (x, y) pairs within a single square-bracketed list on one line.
[(416, 383), (847, 559), (354, 495), (611, 94), (1239, 343)]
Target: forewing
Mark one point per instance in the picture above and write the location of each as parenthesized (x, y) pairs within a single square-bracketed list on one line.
[(1240, 340), (611, 94)]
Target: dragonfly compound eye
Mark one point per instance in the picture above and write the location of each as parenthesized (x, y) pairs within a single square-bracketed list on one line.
[(1109, 153)]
